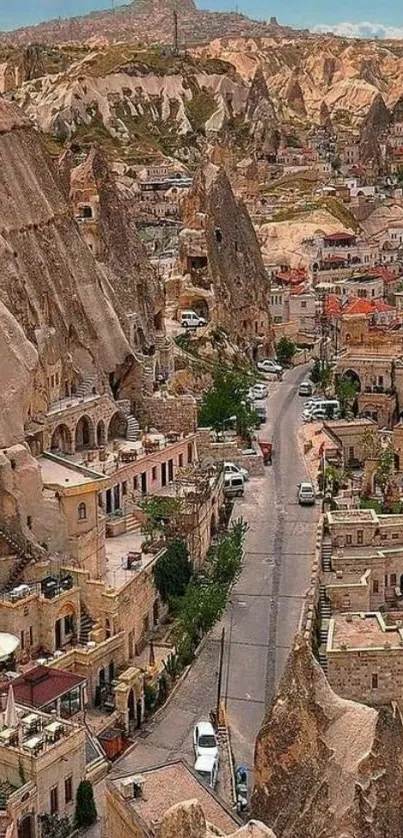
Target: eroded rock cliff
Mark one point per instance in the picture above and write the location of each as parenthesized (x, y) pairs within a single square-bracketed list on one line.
[(327, 767), (234, 263)]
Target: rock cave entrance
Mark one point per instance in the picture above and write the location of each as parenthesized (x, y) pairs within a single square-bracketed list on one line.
[(117, 426), (351, 375)]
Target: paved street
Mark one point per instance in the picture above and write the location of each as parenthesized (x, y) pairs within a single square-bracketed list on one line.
[(265, 607), (266, 603)]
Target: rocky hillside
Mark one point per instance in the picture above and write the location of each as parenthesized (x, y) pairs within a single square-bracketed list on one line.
[(326, 767), (252, 93), (148, 21)]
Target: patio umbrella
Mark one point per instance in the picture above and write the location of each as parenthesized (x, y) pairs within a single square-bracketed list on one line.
[(151, 660), (10, 716), (8, 645)]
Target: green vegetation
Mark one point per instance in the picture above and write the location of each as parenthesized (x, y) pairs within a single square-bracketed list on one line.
[(199, 109), (321, 374), (285, 350), (55, 826), (346, 391), (173, 571), (86, 813), (161, 515), (226, 401)]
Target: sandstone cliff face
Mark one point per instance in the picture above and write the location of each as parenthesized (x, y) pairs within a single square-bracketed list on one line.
[(234, 262), (375, 123), (326, 767), (187, 820), (261, 117), (134, 287)]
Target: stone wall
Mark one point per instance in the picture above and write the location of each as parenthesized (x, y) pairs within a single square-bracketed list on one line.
[(228, 451), (170, 414), (350, 674)]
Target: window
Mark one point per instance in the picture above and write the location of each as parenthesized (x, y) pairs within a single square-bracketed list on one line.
[(360, 536), (190, 453), (22, 640), (395, 535), (82, 511), (31, 636), (375, 587), (68, 790), (68, 624), (124, 487), (135, 483), (384, 536), (348, 539), (154, 473), (374, 680), (303, 303), (180, 460), (393, 580), (54, 804)]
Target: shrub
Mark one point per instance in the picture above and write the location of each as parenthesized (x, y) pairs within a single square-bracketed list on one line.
[(86, 812)]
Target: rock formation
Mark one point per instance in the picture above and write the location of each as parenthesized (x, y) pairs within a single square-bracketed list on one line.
[(234, 263), (375, 122), (261, 116), (187, 820), (133, 284), (327, 767)]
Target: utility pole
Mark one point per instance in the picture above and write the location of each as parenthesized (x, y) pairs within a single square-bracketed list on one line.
[(220, 668), (176, 40)]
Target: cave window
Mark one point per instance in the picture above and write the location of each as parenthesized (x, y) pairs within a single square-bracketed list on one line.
[(218, 235), (374, 680), (29, 522), (13, 464), (236, 246), (82, 511)]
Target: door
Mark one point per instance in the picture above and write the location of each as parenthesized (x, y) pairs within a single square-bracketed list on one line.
[(108, 501), (111, 671), (26, 829), (170, 470), (116, 496), (144, 483), (58, 633), (163, 474)]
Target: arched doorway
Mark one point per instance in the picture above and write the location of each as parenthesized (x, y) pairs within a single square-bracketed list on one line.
[(84, 433), (131, 706), (101, 434), (61, 440), (26, 827), (351, 375), (117, 426), (200, 306)]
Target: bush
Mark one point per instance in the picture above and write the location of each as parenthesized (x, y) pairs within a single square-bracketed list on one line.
[(150, 698), (55, 826), (172, 571), (285, 351), (86, 813)]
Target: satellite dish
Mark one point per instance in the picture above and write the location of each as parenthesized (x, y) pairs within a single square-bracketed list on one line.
[(8, 644)]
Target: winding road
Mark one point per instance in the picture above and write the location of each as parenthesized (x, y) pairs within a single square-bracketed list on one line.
[(265, 606)]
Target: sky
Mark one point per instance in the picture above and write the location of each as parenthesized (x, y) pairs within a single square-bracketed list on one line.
[(364, 18)]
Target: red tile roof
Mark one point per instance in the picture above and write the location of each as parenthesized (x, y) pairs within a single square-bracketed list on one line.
[(41, 685), (339, 236)]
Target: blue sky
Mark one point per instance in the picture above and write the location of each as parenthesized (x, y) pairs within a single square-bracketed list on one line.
[(366, 17)]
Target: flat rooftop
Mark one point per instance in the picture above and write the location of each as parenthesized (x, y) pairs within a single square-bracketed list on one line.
[(362, 631), (172, 783), (56, 474), (352, 516)]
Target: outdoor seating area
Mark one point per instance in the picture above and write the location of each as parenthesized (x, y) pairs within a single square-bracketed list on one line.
[(31, 733)]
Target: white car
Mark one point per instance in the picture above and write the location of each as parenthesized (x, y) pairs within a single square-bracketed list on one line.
[(189, 319), (306, 494), (305, 388), (268, 365), (258, 391), (205, 740), (207, 768), (231, 468)]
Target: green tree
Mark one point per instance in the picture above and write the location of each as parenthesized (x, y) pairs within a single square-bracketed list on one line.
[(86, 812), (160, 514), (346, 391), (285, 350), (172, 571), (200, 607), (384, 471), (315, 372), (325, 377), (55, 826), (226, 558), (227, 398)]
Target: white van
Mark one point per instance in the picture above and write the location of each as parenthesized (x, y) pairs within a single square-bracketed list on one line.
[(189, 319), (330, 407), (233, 485)]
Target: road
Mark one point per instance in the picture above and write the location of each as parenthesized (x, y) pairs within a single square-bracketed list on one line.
[(265, 607)]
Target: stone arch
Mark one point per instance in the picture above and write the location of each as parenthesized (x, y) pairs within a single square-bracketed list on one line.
[(199, 305), (62, 440), (117, 426), (101, 433), (26, 826), (353, 376), (84, 432)]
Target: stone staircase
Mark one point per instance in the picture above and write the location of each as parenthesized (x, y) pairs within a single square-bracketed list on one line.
[(323, 662), (324, 604), (327, 556), (133, 431), (23, 553), (86, 386), (86, 624), (132, 524)]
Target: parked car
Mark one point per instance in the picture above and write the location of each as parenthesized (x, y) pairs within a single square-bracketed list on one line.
[(205, 740), (207, 768), (270, 366), (306, 494), (258, 391), (261, 413), (232, 468), (233, 485), (192, 320), (305, 388)]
